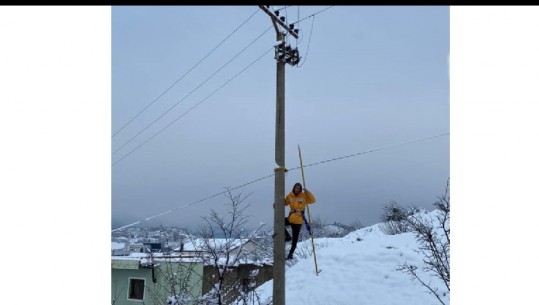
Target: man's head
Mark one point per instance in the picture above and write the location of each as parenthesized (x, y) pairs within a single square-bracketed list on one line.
[(297, 188)]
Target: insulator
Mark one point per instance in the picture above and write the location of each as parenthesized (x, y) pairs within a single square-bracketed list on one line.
[(282, 18), (291, 26), (276, 13)]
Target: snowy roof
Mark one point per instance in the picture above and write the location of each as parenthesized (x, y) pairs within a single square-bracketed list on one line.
[(117, 245), (218, 244)]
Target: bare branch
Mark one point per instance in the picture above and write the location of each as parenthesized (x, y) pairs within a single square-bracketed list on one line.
[(434, 244)]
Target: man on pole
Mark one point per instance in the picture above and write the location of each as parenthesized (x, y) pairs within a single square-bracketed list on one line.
[(297, 200)]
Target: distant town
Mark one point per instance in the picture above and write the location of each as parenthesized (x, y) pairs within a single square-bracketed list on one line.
[(146, 259)]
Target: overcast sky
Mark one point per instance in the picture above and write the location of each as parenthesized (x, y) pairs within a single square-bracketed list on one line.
[(55, 122), (369, 78)]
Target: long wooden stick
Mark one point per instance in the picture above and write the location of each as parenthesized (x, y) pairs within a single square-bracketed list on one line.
[(308, 213)]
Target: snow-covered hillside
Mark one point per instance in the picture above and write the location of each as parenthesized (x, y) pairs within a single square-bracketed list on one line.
[(360, 268)]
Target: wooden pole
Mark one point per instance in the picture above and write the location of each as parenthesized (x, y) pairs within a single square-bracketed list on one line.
[(308, 213)]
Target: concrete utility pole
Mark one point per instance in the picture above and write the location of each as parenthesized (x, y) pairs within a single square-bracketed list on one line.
[(283, 54)]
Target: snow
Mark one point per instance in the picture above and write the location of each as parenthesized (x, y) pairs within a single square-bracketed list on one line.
[(334, 230), (216, 244), (117, 245), (360, 268)]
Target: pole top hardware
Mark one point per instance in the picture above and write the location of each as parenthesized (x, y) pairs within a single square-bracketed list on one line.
[(279, 20)]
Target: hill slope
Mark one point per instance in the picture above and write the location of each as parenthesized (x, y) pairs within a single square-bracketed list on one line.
[(360, 268)]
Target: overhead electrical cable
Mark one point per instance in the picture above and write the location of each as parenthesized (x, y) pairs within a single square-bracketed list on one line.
[(189, 94), (269, 176), (189, 110), (312, 15), (186, 73), (308, 44)]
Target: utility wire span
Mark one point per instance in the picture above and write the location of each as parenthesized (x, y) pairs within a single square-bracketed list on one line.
[(269, 176), (192, 91), (312, 15), (185, 74), (144, 129), (373, 150), (192, 203), (282, 8), (189, 110), (308, 44), (312, 25)]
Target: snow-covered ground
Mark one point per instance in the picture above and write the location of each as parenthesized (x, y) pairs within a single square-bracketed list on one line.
[(360, 268)]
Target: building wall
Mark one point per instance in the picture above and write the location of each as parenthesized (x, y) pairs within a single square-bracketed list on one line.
[(120, 285), (154, 293), (236, 275), (137, 248), (186, 275)]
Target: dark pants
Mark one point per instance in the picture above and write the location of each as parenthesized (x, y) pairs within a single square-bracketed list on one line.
[(295, 234)]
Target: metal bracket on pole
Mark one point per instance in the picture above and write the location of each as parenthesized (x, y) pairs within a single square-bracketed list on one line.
[(279, 21), (280, 168)]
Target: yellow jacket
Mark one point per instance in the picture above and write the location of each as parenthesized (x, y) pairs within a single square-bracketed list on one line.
[(297, 205)]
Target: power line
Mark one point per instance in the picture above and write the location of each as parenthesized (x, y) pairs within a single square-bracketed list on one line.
[(282, 8), (311, 32), (185, 74), (298, 27), (312, 15), (170, 124), (373, 150), (308, 44), (192, 91), (269, 176), (192, 203)]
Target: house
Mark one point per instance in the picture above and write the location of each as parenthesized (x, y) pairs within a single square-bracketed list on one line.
[(136, 247), (120, 249), (150, 277), (153, 246), (249, 276), (142, 279), (219, 245), (244, 271)]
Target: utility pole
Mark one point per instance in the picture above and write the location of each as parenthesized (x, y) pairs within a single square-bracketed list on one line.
[(283, 54)]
